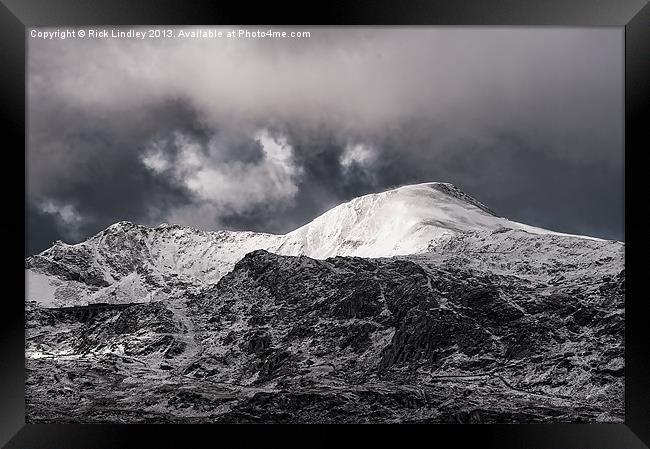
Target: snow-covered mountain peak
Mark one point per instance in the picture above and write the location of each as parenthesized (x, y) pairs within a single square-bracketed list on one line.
[(127, 259), (405, 220)]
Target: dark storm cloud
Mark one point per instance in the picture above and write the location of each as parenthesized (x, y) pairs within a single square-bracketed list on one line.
[(83, 170), (267, 134)]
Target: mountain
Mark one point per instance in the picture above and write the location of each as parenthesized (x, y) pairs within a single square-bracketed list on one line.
[(127, 261), (417, 304)]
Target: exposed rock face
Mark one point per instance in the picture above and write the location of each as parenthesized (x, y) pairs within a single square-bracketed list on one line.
[(492, 325)]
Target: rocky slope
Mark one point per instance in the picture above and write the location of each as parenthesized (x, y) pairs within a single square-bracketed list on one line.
[(451, 315)]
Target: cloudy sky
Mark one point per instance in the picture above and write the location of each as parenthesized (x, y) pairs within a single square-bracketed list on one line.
[(266, 134)]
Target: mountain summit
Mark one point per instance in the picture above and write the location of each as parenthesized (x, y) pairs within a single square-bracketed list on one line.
[(126, 260), (406, 220)]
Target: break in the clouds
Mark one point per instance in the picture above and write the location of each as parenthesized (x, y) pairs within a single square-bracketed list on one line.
[(266, 134), (220, 187)]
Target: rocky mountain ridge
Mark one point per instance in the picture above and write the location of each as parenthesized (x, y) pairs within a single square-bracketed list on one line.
[(127, 260), (488, 321)]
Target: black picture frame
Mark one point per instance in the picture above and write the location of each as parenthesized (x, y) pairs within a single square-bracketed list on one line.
[(634, 15)]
